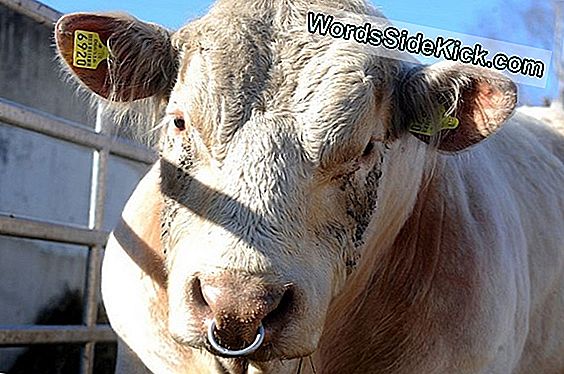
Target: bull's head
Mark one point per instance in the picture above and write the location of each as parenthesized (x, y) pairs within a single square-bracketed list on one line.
[(283, 154)]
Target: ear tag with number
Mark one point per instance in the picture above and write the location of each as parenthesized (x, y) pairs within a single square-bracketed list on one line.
[(427, 128), (89, 50)]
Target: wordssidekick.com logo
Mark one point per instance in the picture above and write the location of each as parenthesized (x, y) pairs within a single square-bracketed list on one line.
[(383, 34)]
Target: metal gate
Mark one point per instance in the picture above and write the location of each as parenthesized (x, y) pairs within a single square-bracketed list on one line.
[(89, 333), (92, 234)]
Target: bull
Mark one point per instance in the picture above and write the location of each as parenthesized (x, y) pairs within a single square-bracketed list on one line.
[(296, 222)]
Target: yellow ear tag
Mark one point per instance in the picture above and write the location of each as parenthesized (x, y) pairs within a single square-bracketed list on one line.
[(447, 123), (89, 50)]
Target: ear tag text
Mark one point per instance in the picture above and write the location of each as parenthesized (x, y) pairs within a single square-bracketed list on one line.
[(88, 50), (427, 128)]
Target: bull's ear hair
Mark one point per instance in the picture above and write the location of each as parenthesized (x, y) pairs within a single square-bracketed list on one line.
[(117, 56), (452, 105)]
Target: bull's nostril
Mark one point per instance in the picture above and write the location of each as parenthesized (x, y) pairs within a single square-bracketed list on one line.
[(277, 317), (197, 294)]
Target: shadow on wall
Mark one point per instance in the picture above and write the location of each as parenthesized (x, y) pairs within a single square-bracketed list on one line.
[(64, 358)]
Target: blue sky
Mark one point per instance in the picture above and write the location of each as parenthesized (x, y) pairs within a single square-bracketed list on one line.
[(174, 13), (499, 19)]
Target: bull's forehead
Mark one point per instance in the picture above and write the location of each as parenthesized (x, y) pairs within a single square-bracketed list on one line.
[(241, 61)]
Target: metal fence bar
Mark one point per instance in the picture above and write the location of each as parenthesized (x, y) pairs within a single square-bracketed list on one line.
[(29, 119), (98, 192), (33, 229), (91, 305), (15, 335), (87, 354)]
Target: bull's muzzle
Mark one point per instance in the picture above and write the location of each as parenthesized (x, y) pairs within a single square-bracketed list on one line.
[(234, 353), (243, 312)]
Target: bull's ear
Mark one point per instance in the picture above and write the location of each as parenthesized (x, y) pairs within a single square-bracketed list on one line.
[(117, 56), (453, 105)]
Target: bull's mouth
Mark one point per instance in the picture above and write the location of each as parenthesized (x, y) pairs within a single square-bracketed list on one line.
[(264, 360), (246, 366), (274, 345), (266, 352)]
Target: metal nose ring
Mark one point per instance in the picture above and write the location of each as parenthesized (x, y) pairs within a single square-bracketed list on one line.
[(235, 353)]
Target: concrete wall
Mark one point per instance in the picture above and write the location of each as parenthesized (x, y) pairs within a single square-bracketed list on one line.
[(44, 178)]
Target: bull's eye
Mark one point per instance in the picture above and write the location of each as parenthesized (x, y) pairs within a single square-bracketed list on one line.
[(180, 124), (368, 149)]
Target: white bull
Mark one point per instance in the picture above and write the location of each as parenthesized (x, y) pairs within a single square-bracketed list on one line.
[(294, 223)]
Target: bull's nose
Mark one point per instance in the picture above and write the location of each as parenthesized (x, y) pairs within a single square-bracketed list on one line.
[(240, 305)]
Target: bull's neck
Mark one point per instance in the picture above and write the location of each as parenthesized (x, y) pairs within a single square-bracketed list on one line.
[(383, 299)]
